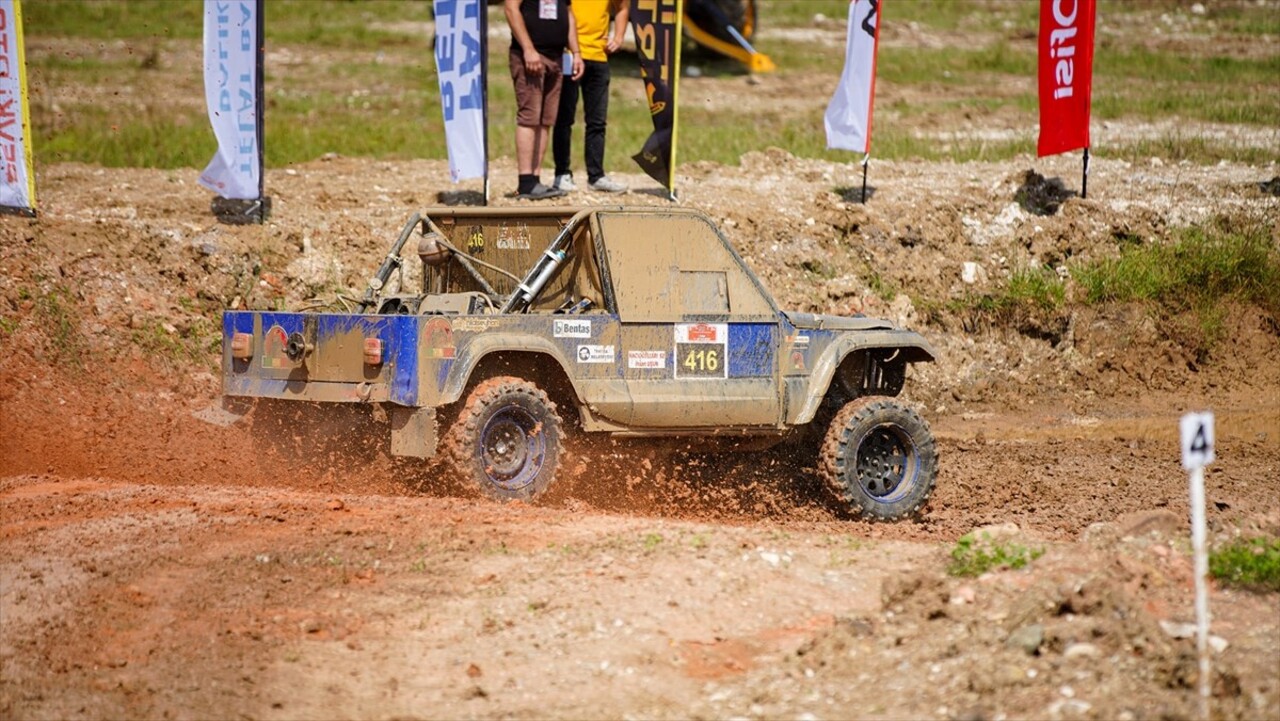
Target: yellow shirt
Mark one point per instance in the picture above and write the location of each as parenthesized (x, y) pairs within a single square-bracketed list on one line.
[(592, 17)]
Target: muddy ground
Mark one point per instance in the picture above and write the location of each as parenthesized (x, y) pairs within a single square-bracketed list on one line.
[(153, 565)]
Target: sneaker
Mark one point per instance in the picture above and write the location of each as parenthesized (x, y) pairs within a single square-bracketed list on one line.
[(605, 184), (541, 192), (564, 182)]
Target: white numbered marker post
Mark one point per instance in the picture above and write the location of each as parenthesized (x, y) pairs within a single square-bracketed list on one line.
[(1197, 452)]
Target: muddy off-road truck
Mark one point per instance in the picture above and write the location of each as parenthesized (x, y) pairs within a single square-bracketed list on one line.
[(635, 322)]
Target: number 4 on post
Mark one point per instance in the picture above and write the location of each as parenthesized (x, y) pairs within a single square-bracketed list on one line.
[(1197, 452), (1197, 440)]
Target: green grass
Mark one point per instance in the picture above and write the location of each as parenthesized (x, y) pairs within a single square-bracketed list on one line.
[(110, 20), (975, 556), (1136, 82), (1039, 288), (1028, 292), (171, 344), (651, 541), (332, 23), (1252, 563), (1189, 283), (1204, 266), (940, 14), (55, 311), (357, 78)]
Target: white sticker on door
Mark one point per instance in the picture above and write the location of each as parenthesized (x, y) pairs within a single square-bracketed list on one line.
[(595, 354), (647, 359), (571, 329)]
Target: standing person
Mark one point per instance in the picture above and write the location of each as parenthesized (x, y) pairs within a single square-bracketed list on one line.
[(596, 43), (540, 32)]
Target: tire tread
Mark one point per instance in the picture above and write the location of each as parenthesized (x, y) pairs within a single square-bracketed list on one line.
[(835, 451), (456, 443)]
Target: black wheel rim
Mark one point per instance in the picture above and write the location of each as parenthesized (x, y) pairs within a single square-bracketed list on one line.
[(886, 463), (512, 448)]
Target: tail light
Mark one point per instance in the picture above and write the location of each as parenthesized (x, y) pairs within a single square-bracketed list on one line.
[(242, 346), (373, 351)]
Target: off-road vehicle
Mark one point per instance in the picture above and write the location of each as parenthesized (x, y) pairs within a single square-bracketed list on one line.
[(634, 322)]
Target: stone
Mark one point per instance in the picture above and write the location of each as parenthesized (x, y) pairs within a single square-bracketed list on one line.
[(1158, 522), (998, 531), (1028, 638), (1081, 650), (1178, 630)]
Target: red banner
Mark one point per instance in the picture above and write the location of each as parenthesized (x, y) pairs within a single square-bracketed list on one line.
[(1066, 74)]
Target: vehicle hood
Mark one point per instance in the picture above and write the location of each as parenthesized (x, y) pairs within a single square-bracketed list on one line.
[(821, 321)]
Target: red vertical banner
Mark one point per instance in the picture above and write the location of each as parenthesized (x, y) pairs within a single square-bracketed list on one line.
[(1066, 74)]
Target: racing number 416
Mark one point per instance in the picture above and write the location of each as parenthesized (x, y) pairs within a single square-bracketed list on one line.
[(701, 360)]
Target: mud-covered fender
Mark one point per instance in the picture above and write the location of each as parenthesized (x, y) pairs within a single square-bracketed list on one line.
[(473, 352), (911, 346)]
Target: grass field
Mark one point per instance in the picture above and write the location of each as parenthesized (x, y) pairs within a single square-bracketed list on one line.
[(362, 82)]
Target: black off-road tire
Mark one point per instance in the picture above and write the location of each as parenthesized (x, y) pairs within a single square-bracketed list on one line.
[(506, 439), (880, 458)]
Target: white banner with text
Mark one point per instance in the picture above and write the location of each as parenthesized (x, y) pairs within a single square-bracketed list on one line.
[(231, 56), (17, 180), (848, 116), (461, 73)]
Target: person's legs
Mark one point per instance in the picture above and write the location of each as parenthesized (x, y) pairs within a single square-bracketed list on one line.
[(529, 111), (527, 149), (541, 135), (551, 86), (562, 135), (595, 108)]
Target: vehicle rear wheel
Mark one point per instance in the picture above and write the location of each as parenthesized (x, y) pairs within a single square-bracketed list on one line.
[(879, 457), (506, 438)]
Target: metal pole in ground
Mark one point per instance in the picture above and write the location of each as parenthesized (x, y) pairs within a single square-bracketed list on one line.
[(1084, 175), (865, 160)]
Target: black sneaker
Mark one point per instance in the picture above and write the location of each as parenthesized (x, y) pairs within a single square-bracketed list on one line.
[(541, 192)]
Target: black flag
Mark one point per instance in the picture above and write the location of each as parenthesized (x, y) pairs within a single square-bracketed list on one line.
[(656, 24)]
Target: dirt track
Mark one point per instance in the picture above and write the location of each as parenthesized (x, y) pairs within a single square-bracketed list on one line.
[(193, 599), (156, 566)]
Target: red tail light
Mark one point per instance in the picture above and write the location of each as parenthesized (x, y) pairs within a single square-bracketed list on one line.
[(373, 351), (242, 346)]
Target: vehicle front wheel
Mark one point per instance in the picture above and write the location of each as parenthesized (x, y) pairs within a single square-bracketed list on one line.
[(879, 457), (507, 438)]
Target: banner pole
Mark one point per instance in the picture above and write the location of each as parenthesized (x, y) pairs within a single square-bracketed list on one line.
[(866, 159), (484, 88), (675, 99), (1084, 175), (27, 140), (262, 106)]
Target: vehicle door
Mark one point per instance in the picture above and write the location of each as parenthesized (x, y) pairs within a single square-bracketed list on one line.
[(698, 333)]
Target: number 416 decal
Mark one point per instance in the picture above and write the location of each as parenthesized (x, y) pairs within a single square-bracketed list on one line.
[(702, 350)]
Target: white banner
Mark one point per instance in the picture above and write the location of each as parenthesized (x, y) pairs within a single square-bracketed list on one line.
[(231, 93), (459, 67), (848, 117), (17, 181)]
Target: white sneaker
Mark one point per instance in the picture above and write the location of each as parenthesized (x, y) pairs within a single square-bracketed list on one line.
[(605, 184), (564, 182)]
